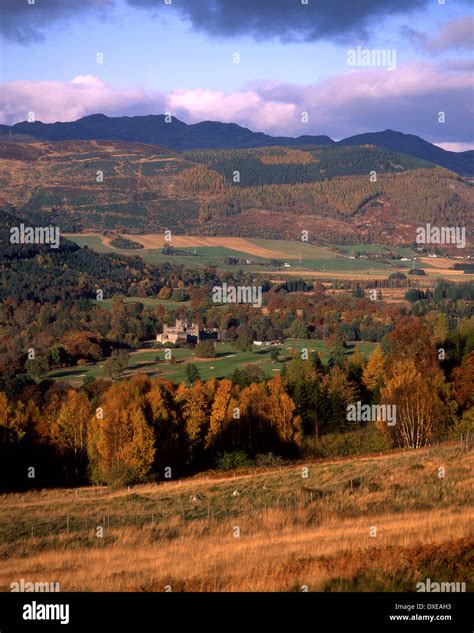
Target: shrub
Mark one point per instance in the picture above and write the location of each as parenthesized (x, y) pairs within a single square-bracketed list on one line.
[(205, 349), (463, 427), (268, 460), (366, 440), (232, 461)]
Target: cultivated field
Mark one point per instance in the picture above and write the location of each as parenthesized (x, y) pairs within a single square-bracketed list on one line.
[(305, 260), (375, 523)]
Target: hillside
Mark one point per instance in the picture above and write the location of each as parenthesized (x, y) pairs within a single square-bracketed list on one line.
[(459, 162), (317, 532), (40, 273), (154, 129), (134, 187)]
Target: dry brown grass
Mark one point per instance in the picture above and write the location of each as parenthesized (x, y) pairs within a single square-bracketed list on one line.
[(290, 535)]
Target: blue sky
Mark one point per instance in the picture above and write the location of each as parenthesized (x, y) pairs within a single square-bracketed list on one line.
[(177, 58)]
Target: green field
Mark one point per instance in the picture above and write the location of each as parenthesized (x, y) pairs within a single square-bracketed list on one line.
[(94, 242), (403, 251), (205, 255), (310, 258), (148, 302), (227, 360)]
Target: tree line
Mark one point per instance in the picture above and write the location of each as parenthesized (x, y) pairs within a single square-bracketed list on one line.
[(138, 430)]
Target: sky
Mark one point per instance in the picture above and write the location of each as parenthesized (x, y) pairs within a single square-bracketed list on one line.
[(284, 67)]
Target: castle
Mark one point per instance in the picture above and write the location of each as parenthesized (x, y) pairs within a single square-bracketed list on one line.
[(189, 332)]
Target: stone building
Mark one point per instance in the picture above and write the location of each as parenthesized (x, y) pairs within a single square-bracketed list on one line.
[(185, 331)]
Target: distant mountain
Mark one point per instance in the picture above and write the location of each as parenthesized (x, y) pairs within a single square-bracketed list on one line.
[(154, 129), (459, 162)]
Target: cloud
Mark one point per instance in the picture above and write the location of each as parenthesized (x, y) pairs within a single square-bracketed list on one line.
[(53, 101), (454, 35), (23, 23), (289, 20), (457, 34), (408, 100), (247, 107), (456, 147), (361, 100)]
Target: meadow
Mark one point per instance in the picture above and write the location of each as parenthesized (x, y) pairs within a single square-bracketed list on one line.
[(371, 523), (227, 360)]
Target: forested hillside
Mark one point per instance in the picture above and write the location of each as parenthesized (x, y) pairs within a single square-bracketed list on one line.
[(338, 194), (307, 164)]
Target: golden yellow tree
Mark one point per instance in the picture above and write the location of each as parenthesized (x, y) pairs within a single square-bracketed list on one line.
[(219, 413), (195, 408), (280, 413), (68, 429), (120, 439), (374, 371), (13, 421), (418, 405)]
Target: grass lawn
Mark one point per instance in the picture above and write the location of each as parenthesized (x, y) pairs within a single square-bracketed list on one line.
[(93, 242), (222, 366), (149, 302)]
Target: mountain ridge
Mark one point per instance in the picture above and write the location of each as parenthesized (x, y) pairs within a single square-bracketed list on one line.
[(180, 136)]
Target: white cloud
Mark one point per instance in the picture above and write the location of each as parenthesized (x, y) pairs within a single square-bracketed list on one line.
[(408, 100)]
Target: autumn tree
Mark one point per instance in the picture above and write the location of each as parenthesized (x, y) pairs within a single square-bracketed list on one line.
[(116, 364), (280, 411), (205, 349), (68, 431), (13, 421), (463, 381), (410, 340), (245, 338), (374, 372), (195, 408), (120, 440), (419, 408), (220, 414), (168, 428)]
